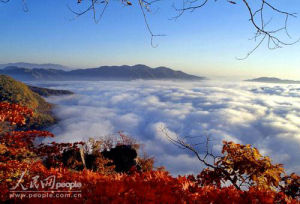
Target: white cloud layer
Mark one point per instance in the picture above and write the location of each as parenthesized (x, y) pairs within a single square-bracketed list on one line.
[(265, 115)]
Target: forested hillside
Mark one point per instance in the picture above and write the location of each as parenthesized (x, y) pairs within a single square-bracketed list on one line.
[(16, 92)]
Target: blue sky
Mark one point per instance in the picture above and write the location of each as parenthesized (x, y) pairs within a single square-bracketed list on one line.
[(205, 42)]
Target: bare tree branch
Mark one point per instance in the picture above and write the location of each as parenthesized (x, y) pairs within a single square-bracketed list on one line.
[(202, 158), (257, 19), (143, 4), (92, 7)]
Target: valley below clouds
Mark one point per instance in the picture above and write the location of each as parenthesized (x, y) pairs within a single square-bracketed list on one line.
[(264, 115)]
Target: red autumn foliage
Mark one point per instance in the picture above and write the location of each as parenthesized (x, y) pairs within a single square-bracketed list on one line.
[(147, 187), (21, 158), (14, 113)]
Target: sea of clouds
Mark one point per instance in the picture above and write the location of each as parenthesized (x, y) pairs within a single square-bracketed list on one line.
[(264, 115)]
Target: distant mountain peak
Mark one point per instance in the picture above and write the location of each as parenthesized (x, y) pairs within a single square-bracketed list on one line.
[(137, 65)]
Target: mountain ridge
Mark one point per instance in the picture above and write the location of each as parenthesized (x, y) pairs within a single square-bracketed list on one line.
[(273, 80), (34, 65), (124, 72)]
